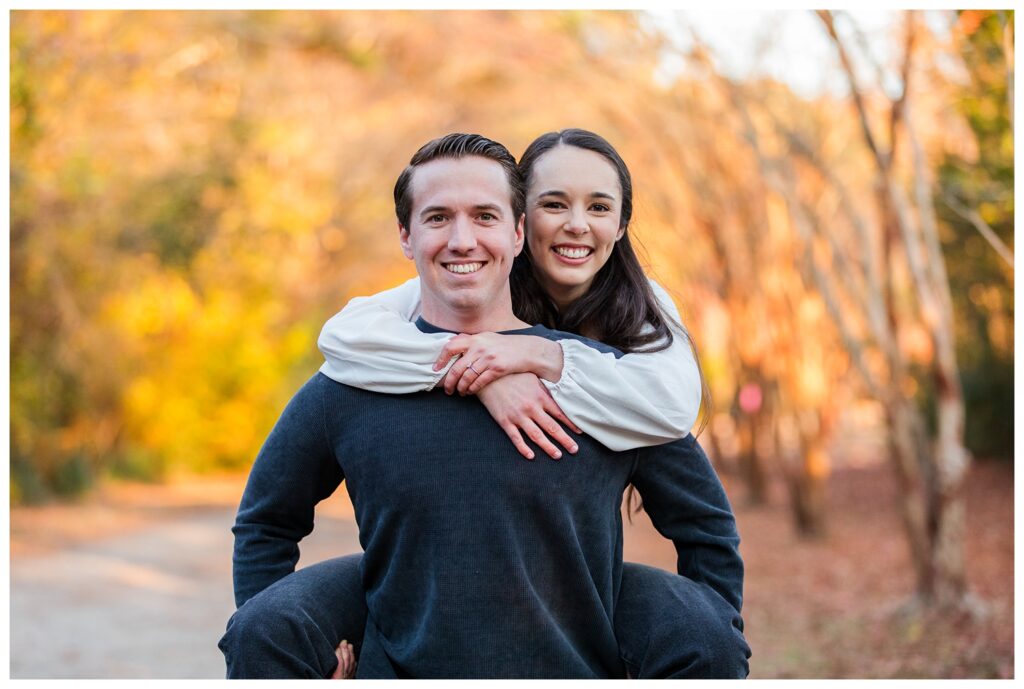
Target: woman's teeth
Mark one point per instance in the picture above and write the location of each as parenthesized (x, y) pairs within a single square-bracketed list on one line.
[(463, 267), (581, 252)]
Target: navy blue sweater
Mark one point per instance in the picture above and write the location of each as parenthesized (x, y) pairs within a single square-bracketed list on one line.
[(477, 563)]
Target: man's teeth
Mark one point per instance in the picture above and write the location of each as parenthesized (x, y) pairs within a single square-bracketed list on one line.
[(581, 252), (464, 267)]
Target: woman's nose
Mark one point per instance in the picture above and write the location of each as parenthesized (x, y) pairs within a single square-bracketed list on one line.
[(577, 223)]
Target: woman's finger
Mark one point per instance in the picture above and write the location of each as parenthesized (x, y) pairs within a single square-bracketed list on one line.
[(455, 374), (517, 439), (483, 380), (552, 408), (557, 433), (469, 375), (455, 346), (541, 440)]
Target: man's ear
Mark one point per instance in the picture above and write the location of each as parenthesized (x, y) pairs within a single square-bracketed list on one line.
[(520, 233), (403, 237)]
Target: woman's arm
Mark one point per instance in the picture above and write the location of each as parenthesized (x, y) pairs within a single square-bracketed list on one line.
[(636, 400), (373, 344)]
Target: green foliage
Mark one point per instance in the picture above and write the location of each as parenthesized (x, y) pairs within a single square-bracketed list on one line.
[(980, 281)]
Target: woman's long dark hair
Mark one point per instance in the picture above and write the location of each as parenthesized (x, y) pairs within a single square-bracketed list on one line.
[(620, 302)]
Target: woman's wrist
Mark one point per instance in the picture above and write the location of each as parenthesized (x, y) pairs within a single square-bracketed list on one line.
[(547, 359)]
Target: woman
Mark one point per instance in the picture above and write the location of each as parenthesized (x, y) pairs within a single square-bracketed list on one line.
[(578, 273)]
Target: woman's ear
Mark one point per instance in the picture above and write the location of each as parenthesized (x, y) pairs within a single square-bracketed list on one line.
[(620, 233)]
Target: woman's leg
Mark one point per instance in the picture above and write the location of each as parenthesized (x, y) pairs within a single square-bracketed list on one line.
[(291, 628), (671, 627)]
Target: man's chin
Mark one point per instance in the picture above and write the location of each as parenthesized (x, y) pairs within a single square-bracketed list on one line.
[(465, 301)]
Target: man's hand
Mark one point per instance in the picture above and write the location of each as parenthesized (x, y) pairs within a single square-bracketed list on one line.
[(486, 357), (519, 402), (346, 661)]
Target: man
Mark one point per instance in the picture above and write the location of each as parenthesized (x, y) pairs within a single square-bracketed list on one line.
[(476, 564)]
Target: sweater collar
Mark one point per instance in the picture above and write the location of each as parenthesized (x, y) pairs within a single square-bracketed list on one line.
[(428, 327)]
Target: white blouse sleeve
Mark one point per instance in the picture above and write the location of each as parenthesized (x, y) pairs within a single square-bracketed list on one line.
[(634, 401), (373, 343)]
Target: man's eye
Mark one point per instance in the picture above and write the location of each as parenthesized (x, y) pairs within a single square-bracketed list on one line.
[(436, 218), (487, 217)]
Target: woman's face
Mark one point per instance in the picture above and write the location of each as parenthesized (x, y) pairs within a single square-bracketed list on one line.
[(573, 205)]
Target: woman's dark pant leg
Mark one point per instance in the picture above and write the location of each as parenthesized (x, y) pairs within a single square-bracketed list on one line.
[(671, 627), (290, 629)]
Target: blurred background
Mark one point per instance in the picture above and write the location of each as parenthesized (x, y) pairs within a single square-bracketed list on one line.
[(829, 197)]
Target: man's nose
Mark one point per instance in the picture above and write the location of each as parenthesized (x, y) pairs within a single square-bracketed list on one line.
[(462, 237)]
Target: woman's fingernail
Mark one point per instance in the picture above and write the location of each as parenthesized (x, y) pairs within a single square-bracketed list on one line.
[(573, 449), (557, 455)]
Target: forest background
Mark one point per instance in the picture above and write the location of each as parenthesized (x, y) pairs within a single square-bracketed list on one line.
[(194, 193)]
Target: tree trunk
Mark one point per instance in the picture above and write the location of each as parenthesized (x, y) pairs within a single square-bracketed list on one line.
[(751, 466)]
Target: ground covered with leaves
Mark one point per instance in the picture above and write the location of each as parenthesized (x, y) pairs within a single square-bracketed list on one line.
[(837, 606)]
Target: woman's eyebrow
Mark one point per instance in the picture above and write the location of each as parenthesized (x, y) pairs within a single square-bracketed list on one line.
[(561, 194)]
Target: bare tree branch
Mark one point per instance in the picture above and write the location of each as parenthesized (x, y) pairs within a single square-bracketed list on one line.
[(881, 158), (895, 114), (981, 226)]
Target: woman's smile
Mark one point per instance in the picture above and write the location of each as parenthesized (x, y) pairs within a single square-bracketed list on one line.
[(572, 254)]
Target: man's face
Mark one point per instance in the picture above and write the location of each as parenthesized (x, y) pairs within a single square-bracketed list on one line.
[(462, 236)]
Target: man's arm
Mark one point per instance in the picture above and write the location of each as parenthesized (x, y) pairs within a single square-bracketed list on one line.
[(687, 504), (295, 469)]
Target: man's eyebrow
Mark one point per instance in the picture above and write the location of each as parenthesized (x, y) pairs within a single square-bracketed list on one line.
[(492, 207), (433, 209)]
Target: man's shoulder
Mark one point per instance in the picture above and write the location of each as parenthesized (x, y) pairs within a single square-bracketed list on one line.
[(556, 335), (682, 447)]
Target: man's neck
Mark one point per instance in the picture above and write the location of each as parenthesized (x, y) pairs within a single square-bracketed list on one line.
[(472, 321)]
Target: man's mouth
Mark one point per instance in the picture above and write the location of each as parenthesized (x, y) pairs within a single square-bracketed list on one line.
[(462, 268), (573, 251)]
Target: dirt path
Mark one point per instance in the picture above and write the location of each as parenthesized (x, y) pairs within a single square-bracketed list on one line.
[(136, 583)]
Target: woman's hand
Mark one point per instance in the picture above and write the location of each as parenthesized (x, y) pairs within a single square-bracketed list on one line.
[(520, 402), (486, 357)]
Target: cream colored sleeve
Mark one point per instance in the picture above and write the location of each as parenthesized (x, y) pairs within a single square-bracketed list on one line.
[(374, 344), (636, 400)]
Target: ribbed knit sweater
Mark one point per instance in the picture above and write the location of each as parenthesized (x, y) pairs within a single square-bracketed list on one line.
[(477, 562)]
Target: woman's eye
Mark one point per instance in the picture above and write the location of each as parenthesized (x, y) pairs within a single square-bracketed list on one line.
[(600, 208), (553, 204)]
